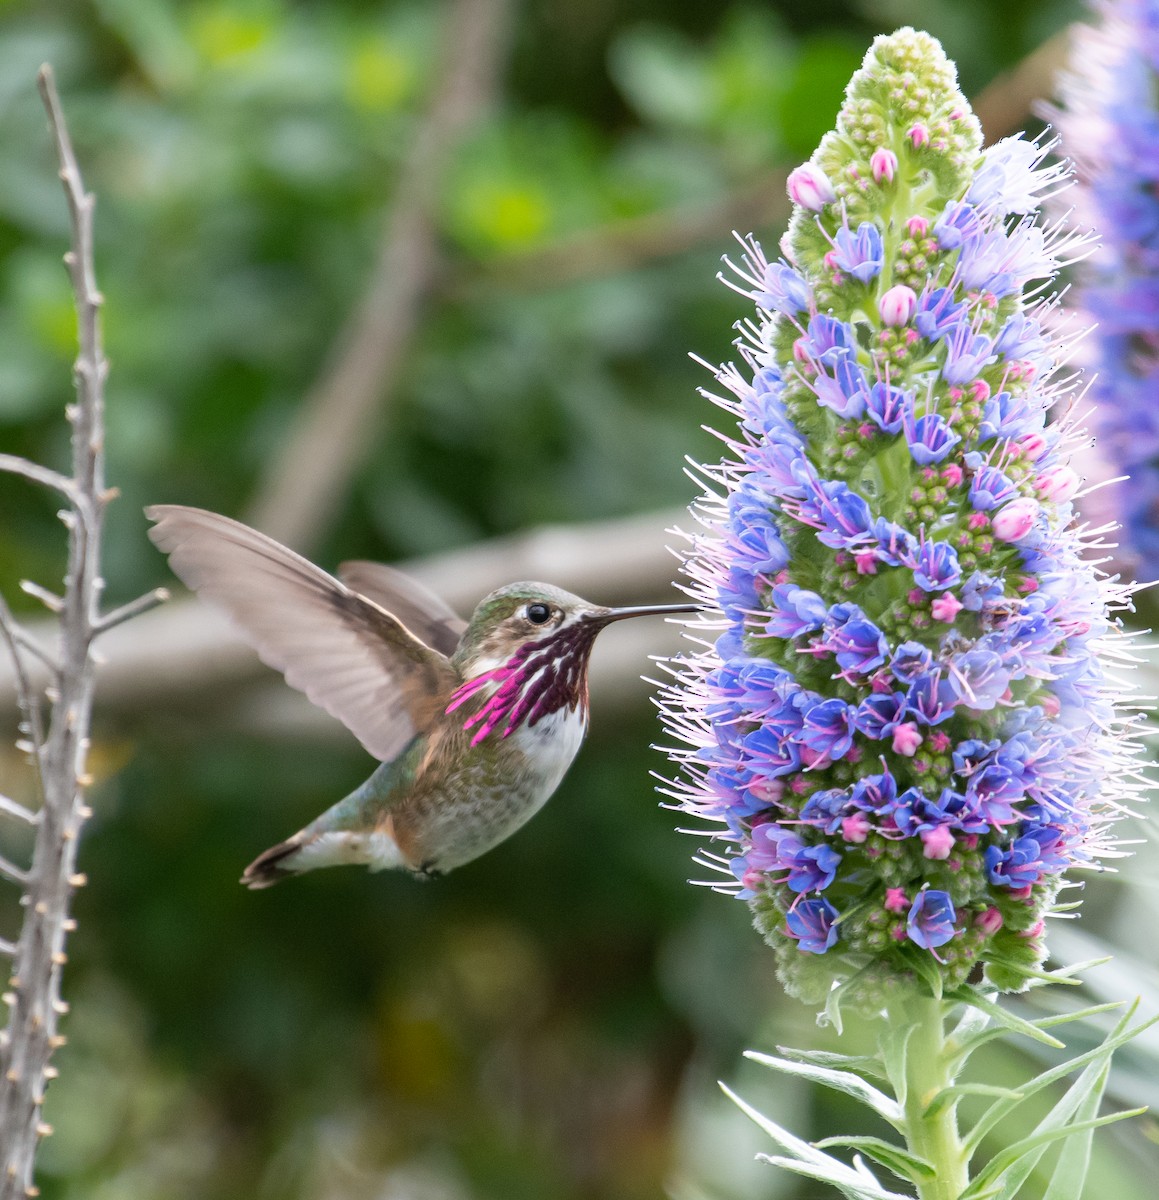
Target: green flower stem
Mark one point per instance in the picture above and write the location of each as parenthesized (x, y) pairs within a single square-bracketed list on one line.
[(929, 1067)]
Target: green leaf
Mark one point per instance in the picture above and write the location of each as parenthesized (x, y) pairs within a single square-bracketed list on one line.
[(970, 995), (974, 1041), (861, 1064), (955, 1091), (804, 1159), (894, 1158), (1070, 1172), (842, 1081), (894, 1050), (1000, 1108), (856, 1190), (1005, 1159)]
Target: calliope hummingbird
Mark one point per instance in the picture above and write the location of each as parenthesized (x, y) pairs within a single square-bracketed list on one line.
[(475, 723)]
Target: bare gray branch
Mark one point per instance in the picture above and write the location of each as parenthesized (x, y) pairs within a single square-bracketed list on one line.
[(35, 1004)]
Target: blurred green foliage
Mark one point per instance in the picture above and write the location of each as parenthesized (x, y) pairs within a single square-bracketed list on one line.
[(548, 1021)]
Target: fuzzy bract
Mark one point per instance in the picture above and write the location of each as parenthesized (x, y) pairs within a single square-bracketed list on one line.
[(905, 727)]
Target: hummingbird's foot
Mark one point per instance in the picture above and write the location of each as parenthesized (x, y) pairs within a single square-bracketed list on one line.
[(428, 870)]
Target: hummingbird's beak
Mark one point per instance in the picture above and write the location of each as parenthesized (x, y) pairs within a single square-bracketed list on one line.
[(646, 610)]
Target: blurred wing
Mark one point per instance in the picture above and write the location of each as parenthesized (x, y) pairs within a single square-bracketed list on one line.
[(352, 658), (416, 606)]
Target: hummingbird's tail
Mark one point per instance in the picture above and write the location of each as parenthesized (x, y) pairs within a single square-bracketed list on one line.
[(318, 846)]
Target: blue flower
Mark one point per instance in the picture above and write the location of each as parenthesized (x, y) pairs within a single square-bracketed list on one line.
[(859, 254), (795, 611), (828, 729), (909, 660), (858, 644), (989, 488), (812, 923), (958, 222), (828, 340), (967, 353), (784, 290), (935, 566), (931, 919), (886, 407), (930, 438), (978, 679), (845, 392), (879, 714), (938, 313)]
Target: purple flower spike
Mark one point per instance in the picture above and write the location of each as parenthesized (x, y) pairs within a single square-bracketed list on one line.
[(902, 700), (811, 922), (930, 923)]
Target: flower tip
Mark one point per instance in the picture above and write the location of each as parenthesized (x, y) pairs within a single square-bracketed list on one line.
[(897, 306), (810, 187), (883, 164), (1013, 522)]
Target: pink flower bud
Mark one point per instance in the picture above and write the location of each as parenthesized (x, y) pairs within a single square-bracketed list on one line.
[(937, 842), (1016, 519), (809, 187), (980, 390), (897, 305), (939, 742), (856, 828), (952, 475), (752, 879), (866, 563), (883, 164), (1033, 445), (946, 608), (989, 922), (767, 791), (1050, 704), (1057, 484), (896, 900), (906, 739), (917, 227), (919, 135)]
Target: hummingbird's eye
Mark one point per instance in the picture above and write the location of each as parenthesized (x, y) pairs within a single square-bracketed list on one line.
[(537, 614)]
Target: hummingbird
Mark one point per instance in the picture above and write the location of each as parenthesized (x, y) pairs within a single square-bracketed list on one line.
[(474, 722)]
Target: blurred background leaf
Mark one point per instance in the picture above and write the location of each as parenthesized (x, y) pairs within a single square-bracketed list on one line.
[(549, 1021)]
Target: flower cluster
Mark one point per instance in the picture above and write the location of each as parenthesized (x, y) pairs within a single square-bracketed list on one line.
[(1109, 122), (905, 731)]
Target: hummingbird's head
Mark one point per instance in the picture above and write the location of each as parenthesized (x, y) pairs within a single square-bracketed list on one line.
[(520, 617), (532, 641)]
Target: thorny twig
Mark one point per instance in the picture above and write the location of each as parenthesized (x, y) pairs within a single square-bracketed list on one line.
[(58, 752)]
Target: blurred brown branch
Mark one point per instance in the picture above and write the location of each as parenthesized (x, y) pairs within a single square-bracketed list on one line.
[(343, 411)]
